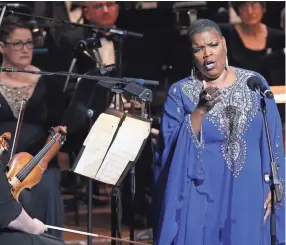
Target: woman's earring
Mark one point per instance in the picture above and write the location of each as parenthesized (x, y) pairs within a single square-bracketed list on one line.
[(226, 62), (193, 71)]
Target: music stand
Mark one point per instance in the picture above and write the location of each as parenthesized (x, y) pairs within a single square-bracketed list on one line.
[(279, 94), (280, 99), (83, 112)]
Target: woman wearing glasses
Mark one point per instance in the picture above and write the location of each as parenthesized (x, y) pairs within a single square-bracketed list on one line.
[(249, 41), (16, 45)]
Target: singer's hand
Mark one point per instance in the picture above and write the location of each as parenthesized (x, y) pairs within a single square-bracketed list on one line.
[(154, 135), (209, 96), (267, 203), (267, 206)]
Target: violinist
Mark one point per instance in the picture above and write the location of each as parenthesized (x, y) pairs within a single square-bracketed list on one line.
[(16, 45), (16, 226)]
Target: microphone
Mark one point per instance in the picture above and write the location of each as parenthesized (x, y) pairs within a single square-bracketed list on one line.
[(255, 84), (140, 81), (6, 69), (14, 5)]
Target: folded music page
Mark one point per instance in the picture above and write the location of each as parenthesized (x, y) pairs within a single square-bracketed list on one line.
[(96, 145), (124, 149), (112, 143)]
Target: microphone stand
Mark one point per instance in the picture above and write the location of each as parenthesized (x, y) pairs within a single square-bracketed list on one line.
[(116, 205), (96, 27), (81, 46), (271, 179), (130, 87), (104, 79)]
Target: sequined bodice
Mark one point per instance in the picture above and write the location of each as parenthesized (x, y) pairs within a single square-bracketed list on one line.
[(232, 116), (15, 95)]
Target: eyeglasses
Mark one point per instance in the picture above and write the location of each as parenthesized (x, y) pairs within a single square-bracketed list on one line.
[(254, 6), (99, 6), (20, 45)]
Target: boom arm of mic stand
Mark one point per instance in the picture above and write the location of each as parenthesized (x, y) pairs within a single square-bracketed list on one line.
[(114, 80), (98, 27), (68, 74)]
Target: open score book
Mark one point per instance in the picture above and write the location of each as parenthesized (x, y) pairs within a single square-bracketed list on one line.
[(112, 146)]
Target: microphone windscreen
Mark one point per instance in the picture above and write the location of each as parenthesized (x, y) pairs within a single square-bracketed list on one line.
[(253, 82)]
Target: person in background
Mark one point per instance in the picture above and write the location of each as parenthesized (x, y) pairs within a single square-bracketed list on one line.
[(249, 41), (16, 46), (272, 66), (212, 154)]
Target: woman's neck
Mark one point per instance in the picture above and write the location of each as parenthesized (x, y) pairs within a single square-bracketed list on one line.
[(253, 30), (224, 80)]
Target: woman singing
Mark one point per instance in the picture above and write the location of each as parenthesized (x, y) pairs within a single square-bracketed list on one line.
[(212, 154)]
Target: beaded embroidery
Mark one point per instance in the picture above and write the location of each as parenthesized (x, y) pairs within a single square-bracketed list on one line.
[(232, 116), (14, 96)]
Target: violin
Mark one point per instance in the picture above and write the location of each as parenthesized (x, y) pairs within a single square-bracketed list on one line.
[(29, 182), (24, 170)]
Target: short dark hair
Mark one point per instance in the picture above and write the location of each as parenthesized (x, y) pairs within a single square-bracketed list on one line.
[(237, 5), (202, 25), (9, 24)]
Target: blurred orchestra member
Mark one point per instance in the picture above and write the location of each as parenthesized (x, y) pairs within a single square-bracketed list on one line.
[(249, 41)]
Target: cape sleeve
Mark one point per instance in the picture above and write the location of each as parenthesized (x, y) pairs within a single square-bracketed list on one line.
[(179, 159), (276, 138)]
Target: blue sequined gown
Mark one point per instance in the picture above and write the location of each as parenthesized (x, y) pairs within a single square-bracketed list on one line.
[(210, 190)]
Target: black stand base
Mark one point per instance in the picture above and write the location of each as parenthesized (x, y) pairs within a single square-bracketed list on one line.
[(115, 215), (89, 218), (133, 185), (273, 217)]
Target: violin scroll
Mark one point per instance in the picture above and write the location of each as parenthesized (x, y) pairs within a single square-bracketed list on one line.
[(4, 138), (59, 130)]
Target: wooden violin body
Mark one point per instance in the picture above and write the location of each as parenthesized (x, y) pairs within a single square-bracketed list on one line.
[(17, 182), (24, 171)]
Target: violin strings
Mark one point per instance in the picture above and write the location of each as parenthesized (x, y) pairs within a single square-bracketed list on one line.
[(35, 160), (26, 170), (23, 174)]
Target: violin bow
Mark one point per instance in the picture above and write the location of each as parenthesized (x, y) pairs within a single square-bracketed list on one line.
[(95, 235), (19, 123)]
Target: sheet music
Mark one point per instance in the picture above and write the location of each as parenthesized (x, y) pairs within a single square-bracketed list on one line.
[(96, 145), (125, 148), (280, 98)]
